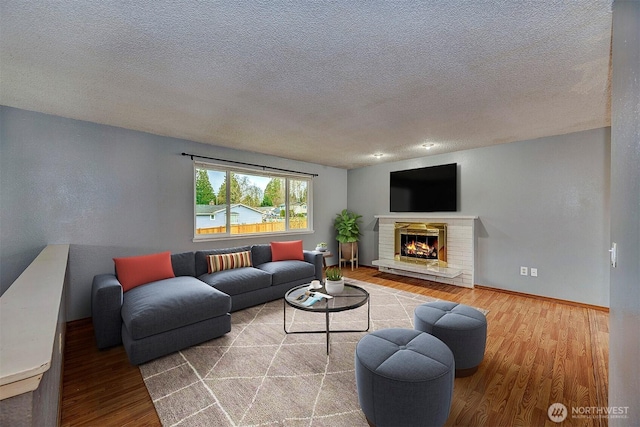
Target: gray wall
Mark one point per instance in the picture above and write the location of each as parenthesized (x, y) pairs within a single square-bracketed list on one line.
[(542, 203), (624, 318), (114, 192)]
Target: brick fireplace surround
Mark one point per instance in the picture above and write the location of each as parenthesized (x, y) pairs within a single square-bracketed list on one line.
[(460, 249)]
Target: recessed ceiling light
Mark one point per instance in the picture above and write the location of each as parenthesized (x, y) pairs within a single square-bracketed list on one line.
[(428, 146), (378, 155)]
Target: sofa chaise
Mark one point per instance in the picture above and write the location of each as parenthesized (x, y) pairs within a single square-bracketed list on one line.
[(193, 303)]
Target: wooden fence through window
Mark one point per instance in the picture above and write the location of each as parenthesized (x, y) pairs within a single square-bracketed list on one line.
[(261, 227)]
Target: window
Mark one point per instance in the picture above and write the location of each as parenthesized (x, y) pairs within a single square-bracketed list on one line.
[(298, 190), (235, 218), (234, 201)]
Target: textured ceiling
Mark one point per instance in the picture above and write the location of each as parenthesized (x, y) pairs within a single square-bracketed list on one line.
[(325, 82)]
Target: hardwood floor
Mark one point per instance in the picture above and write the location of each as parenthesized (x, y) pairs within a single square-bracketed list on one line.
[(539, 352), (101, 388)]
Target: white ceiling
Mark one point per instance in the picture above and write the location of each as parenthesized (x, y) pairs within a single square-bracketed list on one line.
[(328, 82)]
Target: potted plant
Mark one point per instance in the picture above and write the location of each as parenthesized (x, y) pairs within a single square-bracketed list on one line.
[(346, 224), (322, 246), (334, 283)]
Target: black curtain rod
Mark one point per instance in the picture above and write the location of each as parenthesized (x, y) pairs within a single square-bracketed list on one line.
[(248, 164)]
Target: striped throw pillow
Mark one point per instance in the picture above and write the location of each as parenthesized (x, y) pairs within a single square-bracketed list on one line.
[(228, 261)]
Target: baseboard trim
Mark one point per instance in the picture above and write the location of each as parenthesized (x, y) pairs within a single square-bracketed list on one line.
[(524, 294), (541, 297)]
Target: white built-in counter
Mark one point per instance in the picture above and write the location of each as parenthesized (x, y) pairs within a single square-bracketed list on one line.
[(32, 339), (460, 270)]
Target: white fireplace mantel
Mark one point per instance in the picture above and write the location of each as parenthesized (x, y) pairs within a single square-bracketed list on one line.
[(404, 216), (460, 268)]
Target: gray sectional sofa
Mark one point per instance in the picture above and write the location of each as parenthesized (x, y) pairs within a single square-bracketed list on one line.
[(161, 317)]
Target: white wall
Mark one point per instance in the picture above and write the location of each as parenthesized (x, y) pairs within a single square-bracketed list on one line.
[(113, 192), (542, 203)]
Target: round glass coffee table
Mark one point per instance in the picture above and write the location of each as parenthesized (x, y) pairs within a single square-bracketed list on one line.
[(301, 296)]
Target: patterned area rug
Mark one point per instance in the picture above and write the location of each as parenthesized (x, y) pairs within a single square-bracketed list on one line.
[(257, 375)]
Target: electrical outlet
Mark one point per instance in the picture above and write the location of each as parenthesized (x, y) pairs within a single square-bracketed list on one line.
[(524, 271), (534, 272)]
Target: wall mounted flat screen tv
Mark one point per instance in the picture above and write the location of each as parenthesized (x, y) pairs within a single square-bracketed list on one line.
[(429, 189)]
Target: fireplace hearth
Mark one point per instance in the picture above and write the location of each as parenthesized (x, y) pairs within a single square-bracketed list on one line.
[(421, 243)]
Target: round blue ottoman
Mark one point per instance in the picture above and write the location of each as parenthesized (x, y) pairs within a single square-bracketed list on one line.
[(404, 378), (462, 328)]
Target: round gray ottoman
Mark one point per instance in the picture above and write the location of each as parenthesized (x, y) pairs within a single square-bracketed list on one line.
[(404, 378), (462, 328)]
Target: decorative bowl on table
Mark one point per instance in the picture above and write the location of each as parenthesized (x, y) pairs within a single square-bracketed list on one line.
[(322, 246)]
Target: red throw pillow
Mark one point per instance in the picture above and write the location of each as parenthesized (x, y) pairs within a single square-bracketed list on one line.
[(138, 270), (281, 251)]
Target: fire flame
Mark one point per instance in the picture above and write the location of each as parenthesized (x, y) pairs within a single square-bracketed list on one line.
[(421, 249)]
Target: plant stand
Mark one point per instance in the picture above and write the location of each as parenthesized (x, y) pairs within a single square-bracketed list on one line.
[(352, 260)]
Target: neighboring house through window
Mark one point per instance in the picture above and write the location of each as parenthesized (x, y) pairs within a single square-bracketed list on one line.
[(235, 201)]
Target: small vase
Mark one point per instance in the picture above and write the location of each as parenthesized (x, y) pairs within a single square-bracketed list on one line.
[(334, 287)]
